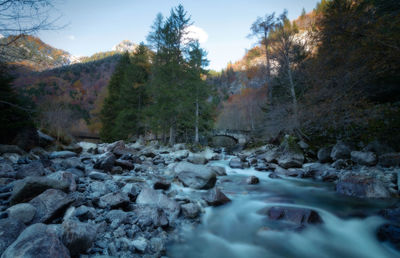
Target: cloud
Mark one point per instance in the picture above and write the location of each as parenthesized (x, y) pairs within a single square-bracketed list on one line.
[(198, 33), (71, 37)]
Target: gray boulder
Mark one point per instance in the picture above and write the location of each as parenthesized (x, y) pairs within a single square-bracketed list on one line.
[(150, 216), (99, 176), (26, 189), (10, 229), (340, 151), (291, 160), (364, 158), (362, 187), (24, 212), (105, 161), (66, 177), (252, 180), (38, 240), (34, 168), (197, 159), (50, 205), (236, 163), (220, 171), (190, 210), (78, 237), (324, 154), (158, 199), (114, 200), (297, 216), (215, 197), (195, 176)]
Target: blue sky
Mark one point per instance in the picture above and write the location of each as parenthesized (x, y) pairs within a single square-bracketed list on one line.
[(98, 25)]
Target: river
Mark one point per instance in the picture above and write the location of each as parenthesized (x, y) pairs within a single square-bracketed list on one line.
[(237, 230)]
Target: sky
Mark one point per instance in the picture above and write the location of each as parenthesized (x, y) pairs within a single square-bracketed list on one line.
[(93, 26)]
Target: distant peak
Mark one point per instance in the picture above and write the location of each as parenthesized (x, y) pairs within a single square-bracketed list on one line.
[(125, 45)]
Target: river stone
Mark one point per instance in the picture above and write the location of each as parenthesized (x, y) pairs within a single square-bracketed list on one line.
[(291, 160), (11, 149), (105, 161), (140, 244), (179, 155), (38, 240), (197, 159), (270, 155), (62, 154), (131, 190), (298, 216), (364, 158), (161, 184), (195, 176), (220, 171), (50, 205), (190, 210), (125, 164), (24, 212), (28, 188), (66, 177), (252, 180), (114, 200), (150, 216), (361, 187), (324, 154), (340, 151), (99, 176), (390, 159), (158, 199), (78, 237), (10, 229), (215, 197), (35, 168), (236, 163), (44, 139)]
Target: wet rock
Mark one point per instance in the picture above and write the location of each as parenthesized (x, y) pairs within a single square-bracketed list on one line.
[(99, 176), (150, 216), (274, 176), (67, 177), (390, 160), (179, 155), (270, 155), (131, 190), (24, 212), (197, 159), (26, 189), (262, 166), (291, 160), (140, 244), (390, 233), (215, 197), (324, 155), (340, 151), (9, 231), (190, 210), (220, 171), (161, 184), (298, 216), (50, 205), (252, 180), (62, 154), (34, 168), (84, 213), (78, 237), (236, 163), (114, 200), (73, 162), (97, 189), (116, 170), (361, 187), (125, 164), (38, 240), (364, 158), (105, 161), (341, 164), (117, 216), (195, 176), (118, 148)]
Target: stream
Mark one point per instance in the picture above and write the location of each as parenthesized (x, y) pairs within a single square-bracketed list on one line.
[(237, 230)]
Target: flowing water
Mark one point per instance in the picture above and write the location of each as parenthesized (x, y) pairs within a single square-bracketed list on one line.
[(236, 230)]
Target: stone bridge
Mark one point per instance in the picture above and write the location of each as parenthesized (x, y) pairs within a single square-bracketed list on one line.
[(239, 136)]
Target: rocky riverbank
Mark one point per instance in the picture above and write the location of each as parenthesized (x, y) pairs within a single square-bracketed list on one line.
[(132, 200)]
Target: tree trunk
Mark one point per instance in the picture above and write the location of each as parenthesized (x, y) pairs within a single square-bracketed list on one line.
[(171, 135), (196, 128), (268, 72), (293, 93)]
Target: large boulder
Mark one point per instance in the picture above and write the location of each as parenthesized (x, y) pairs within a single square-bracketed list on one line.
[(324, 154), (26, 189), (220, 171), (298, 216), (361, 187), (236, 163), (65, 177), (150, 216), (190, 210), (340, 151), (105, 161), (270, 155), (38, 240), (9, 231), (390, 159), (78, 237), (215, 197), (158, 199), (195, 176), (24, 212), (364, 158), (198, 159), (291, 160), (34, 168), (50, 205)]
